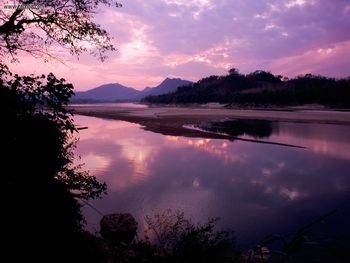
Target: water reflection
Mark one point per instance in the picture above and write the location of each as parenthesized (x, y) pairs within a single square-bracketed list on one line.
[(111, 104), (257, 189), (326, 139), (213, 147), (239, 127), (119, 154)]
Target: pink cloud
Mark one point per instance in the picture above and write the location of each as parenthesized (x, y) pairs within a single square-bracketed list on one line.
[(193, 39)]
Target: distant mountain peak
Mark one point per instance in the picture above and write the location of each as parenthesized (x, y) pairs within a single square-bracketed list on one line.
[(107, 93), (171, 79), (113, 92), (147, 88), (166, 86)]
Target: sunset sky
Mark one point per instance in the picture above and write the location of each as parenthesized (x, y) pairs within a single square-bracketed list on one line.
[(196, 38)]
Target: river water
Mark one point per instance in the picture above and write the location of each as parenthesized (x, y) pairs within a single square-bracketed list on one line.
[(257, 189)]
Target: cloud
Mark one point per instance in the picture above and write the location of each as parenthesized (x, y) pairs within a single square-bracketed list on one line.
[(194, 38)]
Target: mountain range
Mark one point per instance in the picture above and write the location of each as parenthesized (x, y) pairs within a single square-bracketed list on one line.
[(115, 92)]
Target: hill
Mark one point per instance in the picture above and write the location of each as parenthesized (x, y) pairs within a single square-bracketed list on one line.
[(107, 93), (168, 85), (116, 92), (261, 88)]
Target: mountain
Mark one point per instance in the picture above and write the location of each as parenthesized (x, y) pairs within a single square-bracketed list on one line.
[(107, 93), (168, 85), (116, 92)]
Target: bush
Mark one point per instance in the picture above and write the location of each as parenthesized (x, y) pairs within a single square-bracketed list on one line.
[(39, 181)]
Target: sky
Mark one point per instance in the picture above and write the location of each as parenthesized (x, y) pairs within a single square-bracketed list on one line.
[(192, 39)]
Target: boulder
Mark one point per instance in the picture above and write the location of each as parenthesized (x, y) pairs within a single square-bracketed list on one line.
[(118, 228)]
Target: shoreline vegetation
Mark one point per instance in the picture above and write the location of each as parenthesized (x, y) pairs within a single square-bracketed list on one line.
[(175, 120), (261, 89)]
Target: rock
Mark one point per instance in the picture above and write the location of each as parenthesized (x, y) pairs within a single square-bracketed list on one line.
[(118, 228), (261, 255)]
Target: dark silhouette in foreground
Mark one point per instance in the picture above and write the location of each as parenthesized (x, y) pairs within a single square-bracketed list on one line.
[(168, 237), (40, 184), (171, 237)]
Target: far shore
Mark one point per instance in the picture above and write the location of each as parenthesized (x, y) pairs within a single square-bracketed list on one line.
[(171, 120)]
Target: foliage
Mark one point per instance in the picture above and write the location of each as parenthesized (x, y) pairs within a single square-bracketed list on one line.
[(312, 242), (35, 25), (165, 229), (177, 239), (39, 181), (262, 88), (32, 105)]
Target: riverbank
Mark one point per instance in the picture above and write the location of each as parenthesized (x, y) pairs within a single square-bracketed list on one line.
[(171, 120)]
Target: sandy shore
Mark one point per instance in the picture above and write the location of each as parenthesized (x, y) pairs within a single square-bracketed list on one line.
[(170, 120)]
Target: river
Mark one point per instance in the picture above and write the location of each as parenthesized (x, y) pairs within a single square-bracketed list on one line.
[(257, 189)]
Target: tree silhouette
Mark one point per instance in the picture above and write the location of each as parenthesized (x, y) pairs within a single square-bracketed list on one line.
[(233, 72), (34, 26), (39, 104), (261, 88), (39, 182)]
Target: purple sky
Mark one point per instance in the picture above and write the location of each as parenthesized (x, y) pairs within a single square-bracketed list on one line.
[(196, 38)]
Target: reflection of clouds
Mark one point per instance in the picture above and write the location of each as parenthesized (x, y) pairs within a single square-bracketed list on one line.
[(266, 172), (196, 183), (117, 150), (292, 194), (100, 128), (330, 148), (281, 164), (248, 185), (217, 148), (325, 146), (140, 153), (91, 161), (332, 140)]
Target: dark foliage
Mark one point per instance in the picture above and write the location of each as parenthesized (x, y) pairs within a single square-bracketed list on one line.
[(177, 239), (313, 242), (35, 25), (170, 237), (262, 88), (39, 182)]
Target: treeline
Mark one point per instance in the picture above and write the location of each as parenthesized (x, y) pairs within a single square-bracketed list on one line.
[(261, 88)]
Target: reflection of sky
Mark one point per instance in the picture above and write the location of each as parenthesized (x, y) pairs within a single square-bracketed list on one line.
[(328, 139), (111, 104), (257, 189)]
